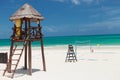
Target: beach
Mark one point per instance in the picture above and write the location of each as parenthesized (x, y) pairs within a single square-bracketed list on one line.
[(40, 34), (103, 63)]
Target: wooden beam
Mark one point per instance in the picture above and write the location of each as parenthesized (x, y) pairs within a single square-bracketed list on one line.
[(42, 49), (30, 53), (25, 64), (30, 58), (43, 57), (10, 57)]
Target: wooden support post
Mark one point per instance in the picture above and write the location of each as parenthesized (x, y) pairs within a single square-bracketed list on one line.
[(30, 53), (10, 57), (30, 59), (42, 48), (25, 64), (43, 57)]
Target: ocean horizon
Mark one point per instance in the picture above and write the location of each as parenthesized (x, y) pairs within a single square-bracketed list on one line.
[(112, 39)]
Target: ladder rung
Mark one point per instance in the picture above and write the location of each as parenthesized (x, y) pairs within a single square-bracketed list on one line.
[(14, 59), (71, 59), (14, 64), (71, 55), (17, 49), (17, 54)]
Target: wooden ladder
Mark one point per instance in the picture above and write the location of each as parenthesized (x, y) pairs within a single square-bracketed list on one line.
[(16, 61)]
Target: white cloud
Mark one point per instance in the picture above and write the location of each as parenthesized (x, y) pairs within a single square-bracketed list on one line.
[(112, 12), (115, 18), (109, 24), (88, 1), (50, 29), (102, 27), (59, 0), (76, 2), (105, 12), (92, 1)]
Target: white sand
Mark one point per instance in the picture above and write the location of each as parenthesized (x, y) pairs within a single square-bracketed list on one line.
[(102, 64)]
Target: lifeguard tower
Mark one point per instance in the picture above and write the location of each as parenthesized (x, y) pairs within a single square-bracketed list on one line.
[(71, 56), (25, 34)]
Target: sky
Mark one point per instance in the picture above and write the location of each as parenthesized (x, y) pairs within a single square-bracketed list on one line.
[(67, 17)]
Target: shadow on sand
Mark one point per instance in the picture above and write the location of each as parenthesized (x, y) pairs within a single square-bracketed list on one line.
[(22, 72)]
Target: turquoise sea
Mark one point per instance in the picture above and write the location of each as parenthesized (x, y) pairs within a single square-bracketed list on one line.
[(113, 39)]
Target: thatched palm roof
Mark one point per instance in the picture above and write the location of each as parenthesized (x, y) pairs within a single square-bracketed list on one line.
[(27, 11)]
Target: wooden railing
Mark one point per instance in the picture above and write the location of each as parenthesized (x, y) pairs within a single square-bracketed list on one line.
[(35, 33)]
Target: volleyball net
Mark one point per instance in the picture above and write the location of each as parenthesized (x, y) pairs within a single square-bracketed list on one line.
[(83, 46)]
